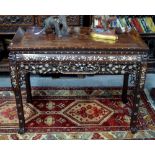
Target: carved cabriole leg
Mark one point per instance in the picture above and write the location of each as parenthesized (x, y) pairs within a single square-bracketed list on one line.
[(125, 88), (17, 91), (140, 80), (28, 87)]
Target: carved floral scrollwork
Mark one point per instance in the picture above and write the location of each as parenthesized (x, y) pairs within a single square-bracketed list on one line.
[(143, 75), (16, 20), (71, 20), (78, 68), (12, 59), (22, 75), (118, 68), (10, 23), (72, 67), (13, 76), (133, 77)]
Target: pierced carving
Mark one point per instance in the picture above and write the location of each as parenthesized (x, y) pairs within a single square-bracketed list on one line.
[(71, 20), (12, 59), (143, 75), (133, 74), (75, 68), (16, 20), (22, 75), (81, 68), (78, 68), (70, 64), (133, 77), (13, 76), (11, 23)]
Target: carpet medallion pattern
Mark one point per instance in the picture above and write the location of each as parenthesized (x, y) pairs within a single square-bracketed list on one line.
[(75, 113)]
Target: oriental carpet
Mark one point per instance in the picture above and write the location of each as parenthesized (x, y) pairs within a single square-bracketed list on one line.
[(75, 113)]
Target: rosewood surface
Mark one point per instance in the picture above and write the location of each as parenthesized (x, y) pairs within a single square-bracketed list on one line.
[(80, 40)]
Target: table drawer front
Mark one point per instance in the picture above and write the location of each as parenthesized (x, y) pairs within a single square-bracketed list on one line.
[(77, 68), (77, 64)]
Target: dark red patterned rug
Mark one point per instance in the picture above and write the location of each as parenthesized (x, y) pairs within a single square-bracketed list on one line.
[(76, 110)]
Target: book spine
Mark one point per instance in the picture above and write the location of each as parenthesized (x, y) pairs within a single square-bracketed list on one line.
[(145, 26), (123, 22), (120, 25), (150, 24), (114, 23), (139, 19), (140, 30), (128, 23), (132, 24)]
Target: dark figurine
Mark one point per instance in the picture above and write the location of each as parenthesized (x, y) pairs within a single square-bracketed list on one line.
[(59, 24)]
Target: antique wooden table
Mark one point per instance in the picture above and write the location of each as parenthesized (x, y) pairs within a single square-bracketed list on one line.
[(76, 54)]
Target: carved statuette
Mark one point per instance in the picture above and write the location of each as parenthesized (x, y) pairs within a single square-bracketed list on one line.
[(58, 24)]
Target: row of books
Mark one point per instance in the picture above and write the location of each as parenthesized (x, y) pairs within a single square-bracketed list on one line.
[(140, 24)]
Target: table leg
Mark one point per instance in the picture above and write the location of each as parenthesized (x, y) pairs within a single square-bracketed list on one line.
[(28, 87), (139, 85), (17, 91), (134, 114), (125, 88)]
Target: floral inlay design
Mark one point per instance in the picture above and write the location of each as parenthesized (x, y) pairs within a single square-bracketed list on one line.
[(87, 112)]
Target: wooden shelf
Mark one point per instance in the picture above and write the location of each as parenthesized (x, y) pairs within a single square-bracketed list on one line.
[(151, 70), (147, 35)]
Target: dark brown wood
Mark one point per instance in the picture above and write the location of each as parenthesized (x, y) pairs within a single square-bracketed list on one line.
[(17, 91), (135, 108), (78, 54), (28, 41), (147, 35), (125, 88), (4, 65), (28, 88), (152, 93), (149, 38), (10, 23)]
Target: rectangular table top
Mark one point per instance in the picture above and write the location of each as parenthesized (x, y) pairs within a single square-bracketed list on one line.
[(27, 41)]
